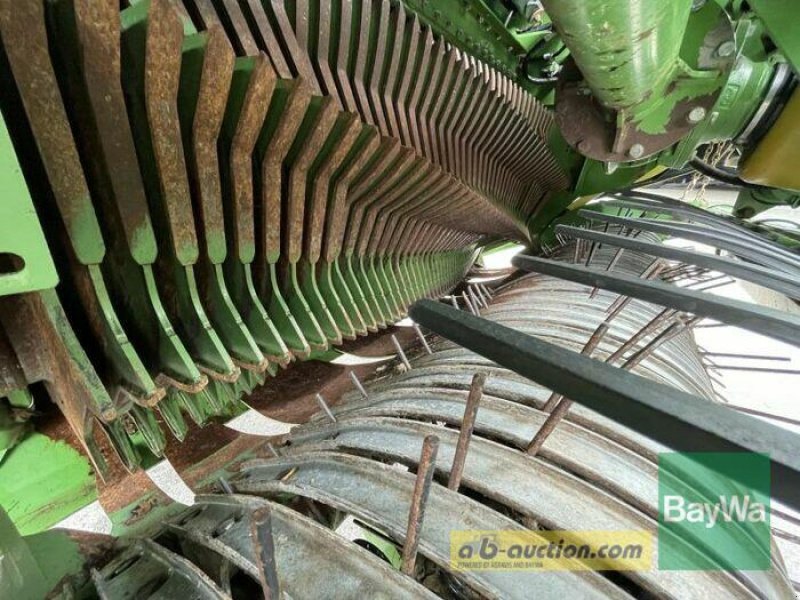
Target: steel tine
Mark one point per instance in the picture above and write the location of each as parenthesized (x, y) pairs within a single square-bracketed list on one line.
[(416, 511), (422, 339), (400, 352), (264, 552), (358, 385), (467, 425), (324, 406)]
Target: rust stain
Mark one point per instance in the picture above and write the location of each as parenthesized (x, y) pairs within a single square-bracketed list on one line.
[(212, 97), (162, 79), (98, 29), (254, 110)]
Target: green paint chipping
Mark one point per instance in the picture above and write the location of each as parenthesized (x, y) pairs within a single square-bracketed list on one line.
[(42, 481)]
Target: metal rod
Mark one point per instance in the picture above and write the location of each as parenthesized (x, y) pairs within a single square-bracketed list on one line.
[(716, 285), (785, 535), (264, 552), (273, 450), (226, 487), (472, 308), (769, 258), (325, 408), (758, 369), (784, 515), (416, 511), (400, 352), (422, 339), (610, 266), (748, 356), (590, 256), (587, 349), (708, 280), (654, 324), (652, 271), (670, 332), (677, 419), (555, 417), (759, 319), (358, 385), (467, 425), (767, 415), (481, 295), (477, 302), (454, 302), (682, 273)]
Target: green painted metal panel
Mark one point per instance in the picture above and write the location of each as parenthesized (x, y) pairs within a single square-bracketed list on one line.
[(25, 261), (43, 481)]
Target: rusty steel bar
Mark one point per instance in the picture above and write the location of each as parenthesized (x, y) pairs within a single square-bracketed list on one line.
[(467, 425), (416, 511), (587, 349), (652, 272), (264, 552), (670, 332), (654, 324)]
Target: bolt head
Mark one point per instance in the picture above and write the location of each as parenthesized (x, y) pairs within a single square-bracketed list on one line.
[(697, 114), (636, 151), (726, 49)]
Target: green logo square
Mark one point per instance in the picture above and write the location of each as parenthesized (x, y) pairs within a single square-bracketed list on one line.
[(713, 511)]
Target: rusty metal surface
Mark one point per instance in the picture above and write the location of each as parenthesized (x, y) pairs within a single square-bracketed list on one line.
[(550, 496), (203, 160), (113, 155), (254, 110), (309, 558), (680, 420), (150, 570), (380, 495), (25, 42), (44, 345)]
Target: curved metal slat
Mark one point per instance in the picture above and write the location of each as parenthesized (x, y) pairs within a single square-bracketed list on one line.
[(311, 561), (672, 417), (554, 498), (380, 495)]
